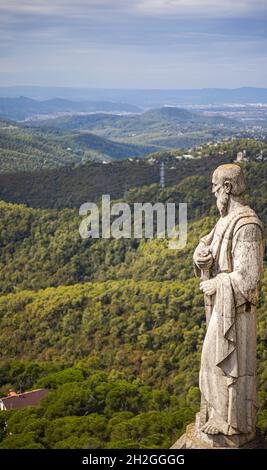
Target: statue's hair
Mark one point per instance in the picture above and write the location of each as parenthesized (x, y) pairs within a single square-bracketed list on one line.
[(234, 174)]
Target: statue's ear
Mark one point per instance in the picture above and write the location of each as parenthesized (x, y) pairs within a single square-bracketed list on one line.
[(227, 186)]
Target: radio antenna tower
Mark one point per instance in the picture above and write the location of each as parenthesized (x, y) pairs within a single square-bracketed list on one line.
[(162, 175)]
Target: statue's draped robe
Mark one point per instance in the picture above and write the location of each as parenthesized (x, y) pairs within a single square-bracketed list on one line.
[(228, 364)]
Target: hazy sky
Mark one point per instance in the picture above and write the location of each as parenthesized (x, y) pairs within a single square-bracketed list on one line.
[(134, 43)]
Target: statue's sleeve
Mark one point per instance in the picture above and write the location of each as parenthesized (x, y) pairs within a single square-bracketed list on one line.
[(247, 256)]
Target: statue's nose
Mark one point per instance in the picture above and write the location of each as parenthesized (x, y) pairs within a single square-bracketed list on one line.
[(215, 189)]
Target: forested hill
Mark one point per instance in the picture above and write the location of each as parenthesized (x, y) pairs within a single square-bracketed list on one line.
[(77, 140), (165, 127), (29, 149), (149, 121), (71, 186), (42, 248)]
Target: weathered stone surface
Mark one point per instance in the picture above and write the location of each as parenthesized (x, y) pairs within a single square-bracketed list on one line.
[(229, 260), (222, 440), (190, 440)]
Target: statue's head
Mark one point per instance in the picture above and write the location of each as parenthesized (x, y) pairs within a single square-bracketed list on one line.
[(228, 181)]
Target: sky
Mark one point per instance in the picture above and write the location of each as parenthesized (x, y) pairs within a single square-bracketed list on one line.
[(147, 44)]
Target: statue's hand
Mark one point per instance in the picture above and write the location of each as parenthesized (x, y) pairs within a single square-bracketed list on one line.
[(203, 257), (208, 287)]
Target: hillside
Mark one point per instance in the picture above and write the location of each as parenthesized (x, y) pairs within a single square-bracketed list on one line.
[(43, 248), (46, 247), (154, 126), (129, 123), (73, 141), (23, 108), (166, 127), (72, 186), (28, 149), (180, 115)]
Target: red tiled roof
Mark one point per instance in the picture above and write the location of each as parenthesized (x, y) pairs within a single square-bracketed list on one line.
[(31, 398)]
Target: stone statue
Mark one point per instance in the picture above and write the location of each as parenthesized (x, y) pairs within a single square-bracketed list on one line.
[(230, 261)]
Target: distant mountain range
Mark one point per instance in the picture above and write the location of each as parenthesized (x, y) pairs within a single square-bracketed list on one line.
[(22, 108), (144, 122), (142, 98), (167, 126), (74, 140), (77, 139)]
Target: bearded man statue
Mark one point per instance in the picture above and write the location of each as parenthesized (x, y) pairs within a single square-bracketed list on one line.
[(230, 262)]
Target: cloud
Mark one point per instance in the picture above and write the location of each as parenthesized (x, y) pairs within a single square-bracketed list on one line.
[(195, 8), (61, 7), (203, 8), (141, 43)]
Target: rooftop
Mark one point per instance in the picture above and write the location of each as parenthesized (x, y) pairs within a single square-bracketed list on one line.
[(17, 401)]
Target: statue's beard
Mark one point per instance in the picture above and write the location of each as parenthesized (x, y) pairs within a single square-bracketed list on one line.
[(222, 204)]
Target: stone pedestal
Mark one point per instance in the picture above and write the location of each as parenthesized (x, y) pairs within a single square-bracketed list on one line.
[(192, 439), (220, 440)]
